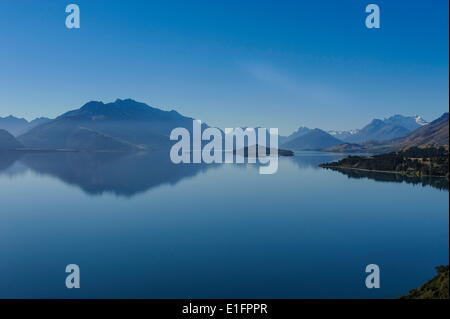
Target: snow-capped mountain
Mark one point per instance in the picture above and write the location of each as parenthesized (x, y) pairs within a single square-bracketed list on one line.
[(408, 122), (420, 120), (342, 135), (388, 128)]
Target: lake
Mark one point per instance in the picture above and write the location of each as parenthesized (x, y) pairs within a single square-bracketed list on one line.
[(139, 226)]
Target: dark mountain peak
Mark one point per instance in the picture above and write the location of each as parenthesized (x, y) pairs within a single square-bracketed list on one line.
[(302, 129), (93, 105), (376, 122), (120, 109), (126, 101)]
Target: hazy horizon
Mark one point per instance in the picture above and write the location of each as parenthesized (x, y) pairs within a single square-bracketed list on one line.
[(282, 131)]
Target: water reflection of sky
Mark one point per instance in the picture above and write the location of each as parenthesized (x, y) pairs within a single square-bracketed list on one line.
[(141, 227)]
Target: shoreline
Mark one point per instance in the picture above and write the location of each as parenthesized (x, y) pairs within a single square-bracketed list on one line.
[(379, 171)]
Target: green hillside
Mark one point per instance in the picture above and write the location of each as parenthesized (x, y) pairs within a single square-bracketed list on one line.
[(436, 288)]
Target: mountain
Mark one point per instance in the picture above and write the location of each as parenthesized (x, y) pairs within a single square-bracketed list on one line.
[(12, 124), (315, 139), (409, 122), (377, 130), (127, 121), (17, 126), (37, 121), (342, 135), (387, 129), (419, 120), (300, 132), (8, 141), (435, 133)]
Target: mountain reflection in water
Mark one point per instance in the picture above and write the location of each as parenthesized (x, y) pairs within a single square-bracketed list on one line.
[(123, 174), (128, 174)]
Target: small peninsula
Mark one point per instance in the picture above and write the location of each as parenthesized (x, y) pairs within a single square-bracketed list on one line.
[(412, 161)]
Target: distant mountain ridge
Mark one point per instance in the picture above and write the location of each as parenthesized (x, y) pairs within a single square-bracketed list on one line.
[(131, 125), (435, 133), (315, 139), (302, 130), (17, 126), (386, 129)]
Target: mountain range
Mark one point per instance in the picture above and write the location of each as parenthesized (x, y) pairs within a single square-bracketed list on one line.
[(127, 125), (17, 126), (435, 133), (381, 130)]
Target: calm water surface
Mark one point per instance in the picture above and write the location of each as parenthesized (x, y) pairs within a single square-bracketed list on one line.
[(141, 227)]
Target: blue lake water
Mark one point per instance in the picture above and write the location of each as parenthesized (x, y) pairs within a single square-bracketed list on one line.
[(141, 227)]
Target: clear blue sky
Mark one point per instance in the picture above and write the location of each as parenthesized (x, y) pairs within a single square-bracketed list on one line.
[(229, 63)]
